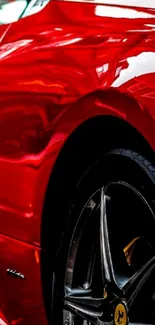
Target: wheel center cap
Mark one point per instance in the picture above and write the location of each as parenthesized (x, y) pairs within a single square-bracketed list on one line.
[(120, 315)]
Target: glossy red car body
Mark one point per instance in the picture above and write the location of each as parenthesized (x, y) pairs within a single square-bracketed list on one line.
[(59, 67)]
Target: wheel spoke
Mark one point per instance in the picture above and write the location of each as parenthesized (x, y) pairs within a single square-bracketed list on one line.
[(107, 268), (81, 303), (136, 283), (106, 259)]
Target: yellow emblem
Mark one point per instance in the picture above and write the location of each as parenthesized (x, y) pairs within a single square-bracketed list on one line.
[(120, 315)]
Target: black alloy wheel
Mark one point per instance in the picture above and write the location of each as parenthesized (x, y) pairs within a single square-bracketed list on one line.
[(105, 270)]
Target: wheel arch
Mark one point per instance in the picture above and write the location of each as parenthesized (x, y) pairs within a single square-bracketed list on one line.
[(104, 108), (119, 125)]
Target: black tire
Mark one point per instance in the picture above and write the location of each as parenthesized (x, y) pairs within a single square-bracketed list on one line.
[(119, 165)]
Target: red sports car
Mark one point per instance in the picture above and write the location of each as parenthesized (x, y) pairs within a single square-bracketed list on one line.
[(77, 162)]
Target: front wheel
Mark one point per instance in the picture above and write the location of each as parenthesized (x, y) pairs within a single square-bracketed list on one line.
[(105, 269)]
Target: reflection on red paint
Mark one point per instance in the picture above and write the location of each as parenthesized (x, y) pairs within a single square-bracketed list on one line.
[(17, 321), (37, 257), (3, 321)]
